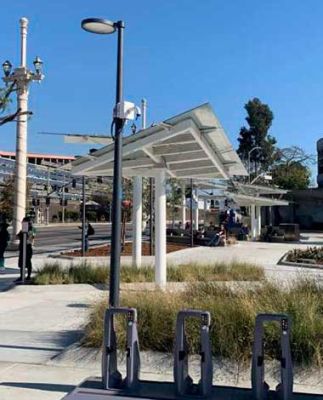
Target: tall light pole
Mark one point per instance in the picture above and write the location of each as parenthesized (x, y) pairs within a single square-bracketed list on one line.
[(249, 154), (20, 78), (103, 26)]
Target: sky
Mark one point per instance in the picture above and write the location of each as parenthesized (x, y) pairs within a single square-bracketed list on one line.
[(178, 54)]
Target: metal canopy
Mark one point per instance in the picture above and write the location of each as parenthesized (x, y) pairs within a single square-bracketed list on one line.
[(190, 145), (244, 200)]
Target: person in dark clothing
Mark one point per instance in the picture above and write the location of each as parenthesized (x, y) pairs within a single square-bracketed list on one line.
[(4, 239), (29, 248)]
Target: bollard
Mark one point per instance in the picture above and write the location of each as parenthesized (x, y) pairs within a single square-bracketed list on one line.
[(183, 382), (260, 388), (24, 230), (111, 377)]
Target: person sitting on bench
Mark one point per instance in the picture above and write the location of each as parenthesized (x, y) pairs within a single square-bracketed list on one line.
[(219, 239)]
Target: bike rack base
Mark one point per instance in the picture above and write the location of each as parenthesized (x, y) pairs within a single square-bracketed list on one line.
[(92, 389)]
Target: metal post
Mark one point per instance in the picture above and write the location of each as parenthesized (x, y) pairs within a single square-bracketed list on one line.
[(117, 182), (63, 200), (47, 207), (151, 215), (183, 206), (24, 256), (191, 214), (83, 216), (137, 205), (137, 221)]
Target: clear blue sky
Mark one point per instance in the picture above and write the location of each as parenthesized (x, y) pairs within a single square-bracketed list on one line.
[(178, 54)]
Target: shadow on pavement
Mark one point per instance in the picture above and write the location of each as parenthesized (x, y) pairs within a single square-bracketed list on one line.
[(78, 305), (49, 387)]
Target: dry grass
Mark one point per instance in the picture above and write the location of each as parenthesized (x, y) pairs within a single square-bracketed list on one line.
[(233, 314), (53, 274)]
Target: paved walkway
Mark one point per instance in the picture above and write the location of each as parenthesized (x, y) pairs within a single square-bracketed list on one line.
[(38, 323)]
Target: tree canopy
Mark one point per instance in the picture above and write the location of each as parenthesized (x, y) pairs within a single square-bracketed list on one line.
[(259, 118), (291, 170)]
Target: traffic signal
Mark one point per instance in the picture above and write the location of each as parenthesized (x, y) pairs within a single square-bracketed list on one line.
[(38, 203), (66, 189), (33, 202), (74, 183), (65, 202), (47, 201)]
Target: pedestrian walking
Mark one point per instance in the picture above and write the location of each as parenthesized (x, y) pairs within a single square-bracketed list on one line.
[(29, 248), (4, 239)]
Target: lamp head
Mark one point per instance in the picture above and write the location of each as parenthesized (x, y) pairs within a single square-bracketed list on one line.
[(7, 66), (98, 25), (38, 64)]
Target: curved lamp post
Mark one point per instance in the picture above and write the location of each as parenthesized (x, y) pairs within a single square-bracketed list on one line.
[(106, 27), (249, 154)]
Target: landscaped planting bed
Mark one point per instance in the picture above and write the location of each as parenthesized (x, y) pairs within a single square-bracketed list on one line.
[(53, 274), (102, 251), (311, 255), (233, 315)]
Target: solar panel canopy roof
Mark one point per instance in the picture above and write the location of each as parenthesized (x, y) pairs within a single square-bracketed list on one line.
[(190, 145)]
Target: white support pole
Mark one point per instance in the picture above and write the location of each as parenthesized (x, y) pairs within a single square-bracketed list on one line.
[(21, 141), (23, 35), (196, 211), (160, 230), (137, 221), (183, 206), (258, 221), (253, 222)]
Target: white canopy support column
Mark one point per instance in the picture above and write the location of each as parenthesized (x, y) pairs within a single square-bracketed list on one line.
[(258, 221), (137, 221), (160, 229), (183, 206), (253, 221)]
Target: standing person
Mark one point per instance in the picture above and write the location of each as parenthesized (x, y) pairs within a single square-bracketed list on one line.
[(4, 239), (29, 248)]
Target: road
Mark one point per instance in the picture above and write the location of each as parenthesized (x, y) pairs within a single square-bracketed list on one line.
[(61, 237)]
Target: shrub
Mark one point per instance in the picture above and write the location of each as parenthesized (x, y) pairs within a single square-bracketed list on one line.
[(85, 273), (233, 312), (311, 254)]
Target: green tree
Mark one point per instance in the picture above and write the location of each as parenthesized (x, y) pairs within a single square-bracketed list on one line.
[(259, 118), (6, 197), (291, 170)]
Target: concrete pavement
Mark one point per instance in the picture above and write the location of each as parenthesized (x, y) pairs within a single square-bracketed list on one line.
[(39, 324)]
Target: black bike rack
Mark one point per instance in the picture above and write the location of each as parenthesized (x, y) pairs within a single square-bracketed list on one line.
[(111, 386), (183, 382), (260, 388), (111, 377)]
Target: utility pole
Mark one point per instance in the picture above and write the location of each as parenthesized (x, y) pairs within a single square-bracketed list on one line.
[(21, 78)]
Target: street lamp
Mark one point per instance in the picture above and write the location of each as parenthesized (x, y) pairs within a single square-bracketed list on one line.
[(20, 79), (103, 26), (249, 154), (7, 66), (38, 64)]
